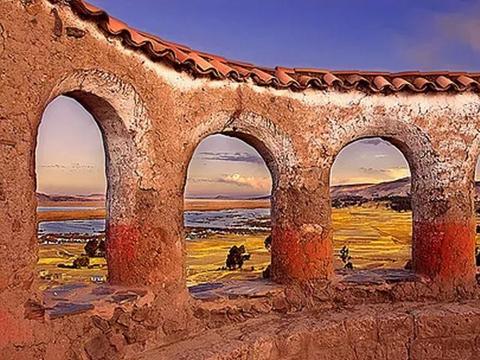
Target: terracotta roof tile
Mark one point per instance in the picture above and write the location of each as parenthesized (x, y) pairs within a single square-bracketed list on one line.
[(204, 64)]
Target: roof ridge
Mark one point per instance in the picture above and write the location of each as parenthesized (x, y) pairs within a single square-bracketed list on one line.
[(217, 67)]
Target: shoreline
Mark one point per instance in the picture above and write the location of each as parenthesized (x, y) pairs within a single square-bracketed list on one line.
[(100, 212)]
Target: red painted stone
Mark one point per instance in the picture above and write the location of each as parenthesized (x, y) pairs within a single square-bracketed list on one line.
[(301, 255), (121, 251), (445, 251)]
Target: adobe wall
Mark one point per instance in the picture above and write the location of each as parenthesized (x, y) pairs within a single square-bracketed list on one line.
[(152, 118), (406, 332)]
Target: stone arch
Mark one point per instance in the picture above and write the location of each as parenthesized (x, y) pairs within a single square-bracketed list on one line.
[(271, 142), (122, 118), (402, 148), (413, 142), (434, 233), (268, 139)]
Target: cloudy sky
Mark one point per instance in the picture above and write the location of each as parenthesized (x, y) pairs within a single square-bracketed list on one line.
[(372, 34)]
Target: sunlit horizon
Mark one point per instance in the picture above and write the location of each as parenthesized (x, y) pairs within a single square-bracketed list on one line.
[(70, 160)]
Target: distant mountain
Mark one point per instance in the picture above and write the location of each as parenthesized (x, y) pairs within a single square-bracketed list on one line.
[(41, 197), (399, 187), (264, 197), (229, 197)]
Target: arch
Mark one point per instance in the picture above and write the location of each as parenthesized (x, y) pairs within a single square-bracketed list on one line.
[(415, 145), (416, 148), (271, 142), (268, 139), (122, 119), (242, 181), (366, 205), (441, 235)]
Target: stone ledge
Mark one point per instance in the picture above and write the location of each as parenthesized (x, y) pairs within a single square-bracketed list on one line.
[(74, 299), (408, 331)]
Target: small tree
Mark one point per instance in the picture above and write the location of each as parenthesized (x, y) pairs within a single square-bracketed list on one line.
[(236, 257), (346, 258), (266, 274), (91, 248)]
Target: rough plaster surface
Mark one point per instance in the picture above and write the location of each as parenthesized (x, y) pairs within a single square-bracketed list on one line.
[(405, 332), (153, 117)]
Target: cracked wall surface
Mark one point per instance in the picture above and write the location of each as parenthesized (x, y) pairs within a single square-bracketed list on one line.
[(152, 118)]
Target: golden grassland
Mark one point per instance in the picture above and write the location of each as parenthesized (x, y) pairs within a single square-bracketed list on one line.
[(376, 236), (53, 254)]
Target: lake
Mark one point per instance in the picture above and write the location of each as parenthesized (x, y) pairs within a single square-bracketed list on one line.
[(198, 222)]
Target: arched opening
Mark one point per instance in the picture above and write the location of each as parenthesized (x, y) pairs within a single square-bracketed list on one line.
[(71, 192), (371, 200), (227, 210)]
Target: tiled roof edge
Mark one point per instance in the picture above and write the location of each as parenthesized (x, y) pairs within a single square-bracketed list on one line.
[(203, 64)]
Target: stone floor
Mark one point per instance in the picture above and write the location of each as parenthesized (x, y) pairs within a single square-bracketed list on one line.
[(264, 288), (72, 299), (407, 331), (101, 300)]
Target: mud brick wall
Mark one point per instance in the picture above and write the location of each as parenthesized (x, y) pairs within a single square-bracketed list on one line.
[(405, 332), (153, 116)]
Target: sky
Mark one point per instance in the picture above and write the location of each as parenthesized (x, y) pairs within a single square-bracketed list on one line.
[(334, 34), (70, 158)]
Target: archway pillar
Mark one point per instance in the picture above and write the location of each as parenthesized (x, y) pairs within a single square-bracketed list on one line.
[(142, 239), (301, 228), (444, 228)]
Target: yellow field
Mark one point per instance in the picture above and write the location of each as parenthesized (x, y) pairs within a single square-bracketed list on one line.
[(377, 237), (52, 255), (206, 257)]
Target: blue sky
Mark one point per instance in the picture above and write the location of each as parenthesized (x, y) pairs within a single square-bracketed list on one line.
[(368, 35), (337, 34)]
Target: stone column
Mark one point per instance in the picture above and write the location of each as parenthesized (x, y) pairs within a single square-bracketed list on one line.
[(144, 231), (302, 247), (444, 228), (145, 248)]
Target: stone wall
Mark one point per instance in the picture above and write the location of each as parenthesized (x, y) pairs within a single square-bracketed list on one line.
[(404, 332), (152, 118)]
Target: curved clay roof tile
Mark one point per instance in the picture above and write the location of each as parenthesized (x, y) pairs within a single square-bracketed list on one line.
[(422, 84), (357, 80), (158, 48), (317, 83), (400, 83), (467, 81), (201, 64), (445, 83), (88, 8), (331, 80), (285, 79), (264, 77), (137, 38), (223, 68), (300, 78), (381, 83), (240, 69)]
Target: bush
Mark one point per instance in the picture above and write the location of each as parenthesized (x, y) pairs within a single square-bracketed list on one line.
[(95, 248), (344, 255), (236, 257), (81, 261)]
